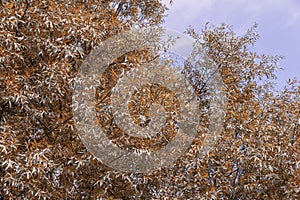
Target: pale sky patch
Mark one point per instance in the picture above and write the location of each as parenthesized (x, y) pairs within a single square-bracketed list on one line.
[(278, 20)]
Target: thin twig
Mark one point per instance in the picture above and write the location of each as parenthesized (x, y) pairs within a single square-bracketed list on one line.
[(2, 110), (22, 17), (49, 132)]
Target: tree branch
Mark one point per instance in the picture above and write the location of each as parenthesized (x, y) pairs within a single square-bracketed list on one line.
[(119, 9), (2, 110), (49, 132)]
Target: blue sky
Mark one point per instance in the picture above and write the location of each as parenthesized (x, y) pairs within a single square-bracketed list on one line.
[(278, 25)]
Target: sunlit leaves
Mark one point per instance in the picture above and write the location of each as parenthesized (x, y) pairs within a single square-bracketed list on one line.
[(42, 45), (261, 125)]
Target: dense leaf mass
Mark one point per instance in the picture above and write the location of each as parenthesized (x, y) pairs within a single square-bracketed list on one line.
[(42, 45)]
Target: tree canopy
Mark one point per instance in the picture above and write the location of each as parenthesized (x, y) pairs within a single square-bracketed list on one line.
[(44, 43)]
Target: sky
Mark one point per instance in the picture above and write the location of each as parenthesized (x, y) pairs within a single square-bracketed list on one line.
[(278, 25)]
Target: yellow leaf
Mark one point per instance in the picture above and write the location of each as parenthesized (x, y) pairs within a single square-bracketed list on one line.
[(204, 175), (9, 5)]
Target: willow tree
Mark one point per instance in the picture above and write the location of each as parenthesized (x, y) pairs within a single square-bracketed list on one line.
[(257, 153), (43, 44)]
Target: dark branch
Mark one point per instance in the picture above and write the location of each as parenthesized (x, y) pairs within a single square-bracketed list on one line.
[(49, 132), (2, 110), (22, 17)]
